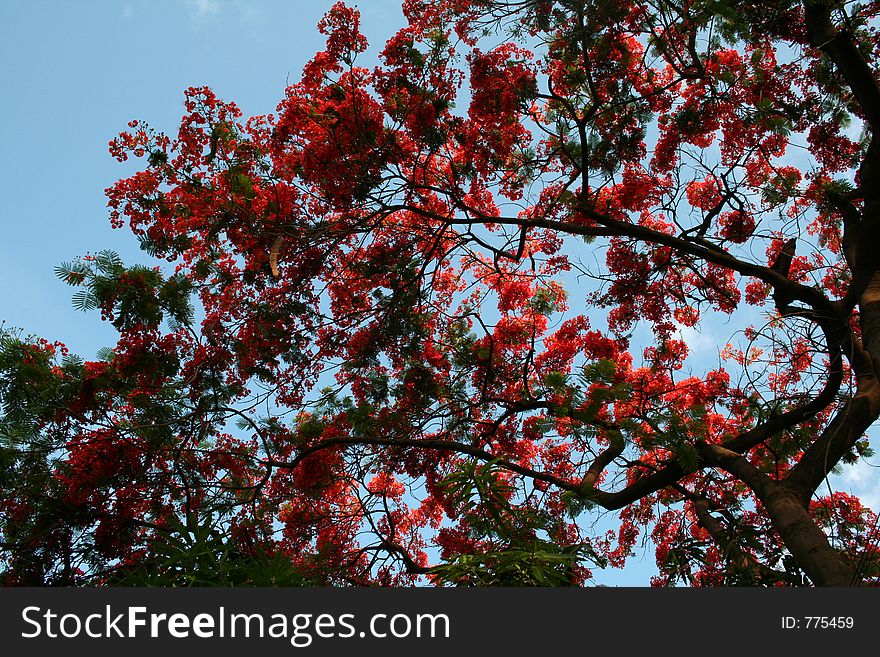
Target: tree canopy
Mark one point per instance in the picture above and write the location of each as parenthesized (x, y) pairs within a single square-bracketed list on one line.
[(427, 322)]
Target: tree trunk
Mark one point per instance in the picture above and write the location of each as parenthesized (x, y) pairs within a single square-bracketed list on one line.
[(807, 543)]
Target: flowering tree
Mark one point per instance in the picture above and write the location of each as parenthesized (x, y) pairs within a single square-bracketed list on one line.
[(425, 322)]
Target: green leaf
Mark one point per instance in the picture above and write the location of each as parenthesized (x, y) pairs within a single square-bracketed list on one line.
[(84, 300)]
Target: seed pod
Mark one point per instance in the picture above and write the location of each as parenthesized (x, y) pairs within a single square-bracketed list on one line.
[(273, 255)]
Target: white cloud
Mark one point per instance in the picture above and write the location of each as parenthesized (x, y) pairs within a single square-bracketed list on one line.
[(697, 339), (204, 7), (248, 10), (201, 10), (202, 13), (863, 480)]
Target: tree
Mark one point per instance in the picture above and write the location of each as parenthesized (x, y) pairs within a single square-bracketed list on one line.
[(426, 322)]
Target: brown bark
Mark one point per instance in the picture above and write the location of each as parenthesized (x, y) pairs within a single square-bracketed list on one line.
[(804, 539), (727, 540), (840, 47), (847, 426)]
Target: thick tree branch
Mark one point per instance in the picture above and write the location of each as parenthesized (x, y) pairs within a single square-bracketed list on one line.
[(439, 445), (727, 540), (801, 535), (840, 47), (847, 426), (608, 227)]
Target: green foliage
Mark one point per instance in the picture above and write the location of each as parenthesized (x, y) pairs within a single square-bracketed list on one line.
[(157, 158), (861, 449), (577, 503), (221, 135), (780, 188), (545, 564), (516, 551), (241, 184), (196, 554), (556, 381), (738, 21), (678, 432), (599, 378), (132, 295), (599, 371), (30, 389), (544, 301)]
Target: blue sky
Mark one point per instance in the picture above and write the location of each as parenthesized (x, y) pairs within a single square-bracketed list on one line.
[(75, 73)]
